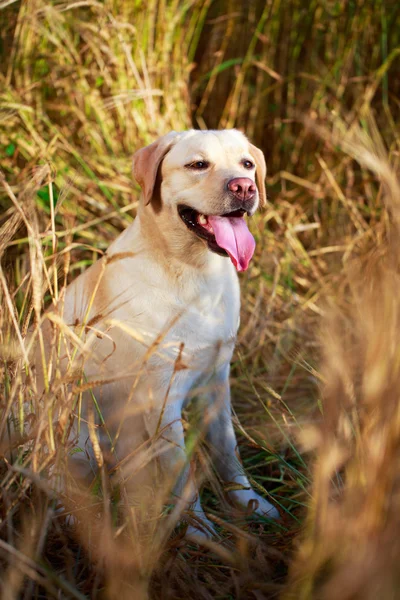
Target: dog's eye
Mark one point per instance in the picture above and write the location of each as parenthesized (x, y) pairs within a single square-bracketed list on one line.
[(247, 164), (199, 165)]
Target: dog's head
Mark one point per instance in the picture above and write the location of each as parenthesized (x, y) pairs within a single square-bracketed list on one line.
[(206, 182)]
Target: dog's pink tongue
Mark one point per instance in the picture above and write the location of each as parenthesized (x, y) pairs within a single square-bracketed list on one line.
[(233, 236)]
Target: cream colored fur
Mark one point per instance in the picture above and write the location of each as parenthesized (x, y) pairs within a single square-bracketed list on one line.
[(160, 314)]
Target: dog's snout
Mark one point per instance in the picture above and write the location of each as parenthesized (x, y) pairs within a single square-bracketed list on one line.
[(242, 187)]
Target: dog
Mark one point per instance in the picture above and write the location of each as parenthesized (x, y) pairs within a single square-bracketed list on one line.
[(157, 318)]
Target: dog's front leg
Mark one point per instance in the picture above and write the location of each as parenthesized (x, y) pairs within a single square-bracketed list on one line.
[(223, 447), (176, 473)]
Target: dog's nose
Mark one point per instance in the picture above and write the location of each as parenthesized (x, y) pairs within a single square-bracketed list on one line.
[(242, 187)]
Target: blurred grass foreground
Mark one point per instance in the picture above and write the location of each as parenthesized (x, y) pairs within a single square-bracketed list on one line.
[(316, 374)]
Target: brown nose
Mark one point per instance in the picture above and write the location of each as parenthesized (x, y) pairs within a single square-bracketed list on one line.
[(242, 187)]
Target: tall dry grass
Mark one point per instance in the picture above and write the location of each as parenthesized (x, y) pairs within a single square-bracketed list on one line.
[(82, 85), (349, 547)]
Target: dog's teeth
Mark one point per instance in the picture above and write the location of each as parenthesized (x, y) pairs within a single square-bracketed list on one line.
[(202, 220)]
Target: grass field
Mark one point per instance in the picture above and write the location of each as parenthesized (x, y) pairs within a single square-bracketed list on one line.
[(316, 373)]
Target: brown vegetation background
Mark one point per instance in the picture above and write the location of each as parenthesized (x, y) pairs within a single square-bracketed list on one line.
[(316, 374)]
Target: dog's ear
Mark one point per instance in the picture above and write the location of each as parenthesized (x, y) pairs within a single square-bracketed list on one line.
[(146, 162), (261, 173)]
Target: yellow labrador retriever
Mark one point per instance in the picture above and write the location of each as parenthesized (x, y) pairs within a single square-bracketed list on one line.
[(160, 312)]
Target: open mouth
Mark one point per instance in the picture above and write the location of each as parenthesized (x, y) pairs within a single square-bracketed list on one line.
[(226, 234)]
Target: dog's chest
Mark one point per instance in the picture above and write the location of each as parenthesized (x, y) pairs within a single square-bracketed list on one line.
[(194, 322), (200, 327), (195, 319), (207, 328)]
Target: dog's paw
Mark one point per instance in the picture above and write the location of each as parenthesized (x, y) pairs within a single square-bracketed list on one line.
[(200, 530), (264, 508), (70, 520), (253, 502)]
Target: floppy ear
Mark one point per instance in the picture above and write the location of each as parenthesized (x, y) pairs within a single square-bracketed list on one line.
[(261, 173), (146, 162)]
